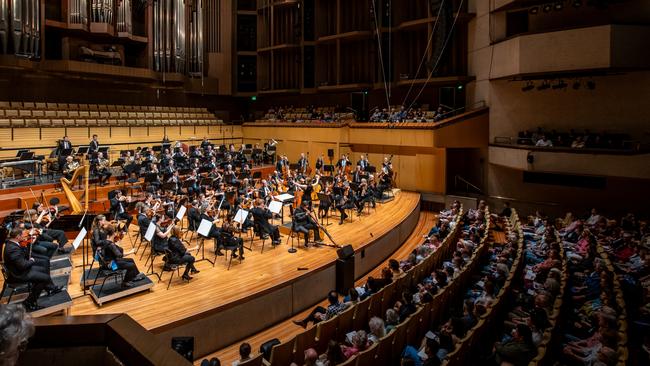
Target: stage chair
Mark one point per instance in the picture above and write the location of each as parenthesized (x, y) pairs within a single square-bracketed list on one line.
[(282, 354), (107, 271), (230, 249), (304, 341), (173, 268), (9, 283), (258, 230)]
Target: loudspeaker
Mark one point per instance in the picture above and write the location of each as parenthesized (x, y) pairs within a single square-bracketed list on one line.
[(530, 158), (344, 274), (184, 346), (345, 252), (266, 347), (330, 153)]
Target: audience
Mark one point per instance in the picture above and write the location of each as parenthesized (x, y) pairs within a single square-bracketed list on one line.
[(244, 354), (16, 327), (574, 139)]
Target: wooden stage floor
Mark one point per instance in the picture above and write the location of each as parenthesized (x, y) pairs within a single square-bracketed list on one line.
[(215, 288)]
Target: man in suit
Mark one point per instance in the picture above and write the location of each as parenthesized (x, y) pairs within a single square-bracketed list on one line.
[(65, 143), (119, 205), (22, 267), (363, 163), (262, 216), (342, 163), (303, 163), (93, 146)]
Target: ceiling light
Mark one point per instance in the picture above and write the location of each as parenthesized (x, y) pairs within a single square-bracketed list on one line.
[(547, 7), (534, 10)]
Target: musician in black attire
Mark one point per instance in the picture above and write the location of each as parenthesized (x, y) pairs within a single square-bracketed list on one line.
[(230, 240), (118, 208), (102, 170), (363, 163), (347, 201), (304, 223), (93, 146), (65, 143), (205, 143), (319, 164), (303, 163), (357, 175), (262, 215), (342, 163), (215, 231), (25, 268), (114, 253), (47, 236), (178, 254), (98, 234)]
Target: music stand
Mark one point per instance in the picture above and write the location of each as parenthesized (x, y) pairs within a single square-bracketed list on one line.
[(328, 168), (83, 150), (20, 152), (204, 231), (104, 150)]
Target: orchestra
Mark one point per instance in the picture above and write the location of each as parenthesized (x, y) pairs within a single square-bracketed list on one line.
[(213, 183)]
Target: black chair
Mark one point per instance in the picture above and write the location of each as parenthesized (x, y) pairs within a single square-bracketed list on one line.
[(107, 271), (11, 283), (171, 267)]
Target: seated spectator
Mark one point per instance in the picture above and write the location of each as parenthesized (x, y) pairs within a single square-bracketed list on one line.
[(320, 314), (244, 354), (333, 356), (519, 350), (544, 142), (392, 320), (311, 357), (405, 307), (359, 343), (377, 329)]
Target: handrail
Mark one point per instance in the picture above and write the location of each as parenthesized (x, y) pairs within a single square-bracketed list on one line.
[(467, 184), (475, 105), (546, 203)]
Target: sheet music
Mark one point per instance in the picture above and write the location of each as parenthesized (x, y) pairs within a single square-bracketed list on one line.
[(284, 197), (275, 207), (181, 212), (150, 231), (80, 237), (204, 227), (241, 216)]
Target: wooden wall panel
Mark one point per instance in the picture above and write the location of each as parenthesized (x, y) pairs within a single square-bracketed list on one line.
[(78, 134), (156, 133), (173, 132), (104, 134)]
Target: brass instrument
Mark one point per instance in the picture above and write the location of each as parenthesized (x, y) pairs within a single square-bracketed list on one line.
[(103, 164), (69, 168)]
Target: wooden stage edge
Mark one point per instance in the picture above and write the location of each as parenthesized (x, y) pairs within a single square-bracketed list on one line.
[(223, 325)]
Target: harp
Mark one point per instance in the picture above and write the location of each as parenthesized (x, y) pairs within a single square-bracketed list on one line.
[(75, 206)]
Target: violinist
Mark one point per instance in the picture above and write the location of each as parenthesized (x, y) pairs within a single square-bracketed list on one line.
[(303, 222), (98, 233), (144, 219), (346, 202), (175, 181), (262, 215), (102, 169), (265, 191), (365, 195), (229, 239), (34, 219), (178, 254), (23, 267), (113, 253), (194, 188), (215, 231), (161, 237), (119, 205)]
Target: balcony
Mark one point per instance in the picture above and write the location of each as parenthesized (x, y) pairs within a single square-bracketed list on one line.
[(598, 162), (605, 47)]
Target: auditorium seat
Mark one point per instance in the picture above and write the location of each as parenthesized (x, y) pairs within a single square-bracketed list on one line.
[(304, 341), (5, 122), (282, 354)]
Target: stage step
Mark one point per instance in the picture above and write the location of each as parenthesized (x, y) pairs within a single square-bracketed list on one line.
[(21, 294), (56, 303), (60, 267), (113, 290)]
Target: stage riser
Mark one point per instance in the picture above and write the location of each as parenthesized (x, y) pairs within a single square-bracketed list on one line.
[(233, 323)]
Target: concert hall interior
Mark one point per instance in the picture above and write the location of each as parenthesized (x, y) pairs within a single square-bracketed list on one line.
[(324, 182)]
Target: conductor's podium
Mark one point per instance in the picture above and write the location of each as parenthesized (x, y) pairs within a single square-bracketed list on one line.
[(110, 289), (51, 304)]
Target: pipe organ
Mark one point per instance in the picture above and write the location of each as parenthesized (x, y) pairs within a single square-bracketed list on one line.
[(124, 17), (78, 13), (178, 36), (20, 27)]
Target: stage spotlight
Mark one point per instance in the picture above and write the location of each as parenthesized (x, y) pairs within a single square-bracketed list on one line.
[(576, 85), (591, 85), (560, 85), (558, 6), (547, 7), (577, 3), (534, 10), (544, 85), (528, 87)]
